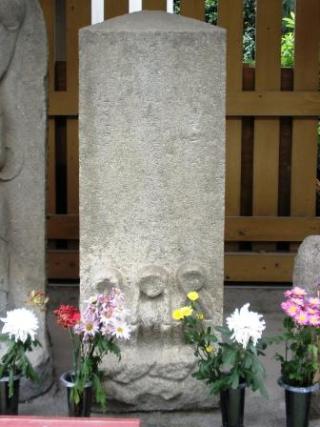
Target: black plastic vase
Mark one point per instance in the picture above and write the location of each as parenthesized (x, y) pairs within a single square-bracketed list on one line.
[(83, 407), (298, 404), (232, 406), (9, 404)]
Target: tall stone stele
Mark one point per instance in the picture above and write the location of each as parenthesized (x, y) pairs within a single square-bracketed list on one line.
[(152, 176), (23, 109)]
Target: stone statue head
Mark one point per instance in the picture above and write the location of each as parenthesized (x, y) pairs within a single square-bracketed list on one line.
[(12, 14), (191, 276), (111, 279), (152, 281)]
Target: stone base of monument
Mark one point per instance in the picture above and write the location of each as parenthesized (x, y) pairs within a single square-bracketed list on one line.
[(146, 380)]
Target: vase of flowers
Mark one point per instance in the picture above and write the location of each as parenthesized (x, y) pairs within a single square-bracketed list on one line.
[(19, 335), (94, 333), (299, 364), (227, 356), (77, 407), (232, 405)]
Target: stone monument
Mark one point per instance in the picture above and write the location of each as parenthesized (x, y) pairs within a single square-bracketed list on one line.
[(306, 272), (152, 168), (23, 70)]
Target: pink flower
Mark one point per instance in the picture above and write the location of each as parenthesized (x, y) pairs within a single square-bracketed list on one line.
[(290, 308), (311, 311), (298, 301), (298, 292), (106, 314), (108, 329), (288, 293), (90, 328), (314, 320), (301, 318), (314, 302)]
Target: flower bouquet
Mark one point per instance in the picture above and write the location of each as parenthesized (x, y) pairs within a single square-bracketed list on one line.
[(19, 335), (299, 364), (227, 356), (93, 334)]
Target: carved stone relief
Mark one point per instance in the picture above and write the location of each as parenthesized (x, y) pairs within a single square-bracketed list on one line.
[(192, 276)]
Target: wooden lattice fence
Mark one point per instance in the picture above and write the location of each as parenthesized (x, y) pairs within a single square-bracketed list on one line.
[(272, 120)]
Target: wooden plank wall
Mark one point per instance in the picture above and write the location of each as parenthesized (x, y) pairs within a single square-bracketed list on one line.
[(266, 105)]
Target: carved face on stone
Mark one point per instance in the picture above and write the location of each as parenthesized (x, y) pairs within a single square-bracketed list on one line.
[(152, 281), (192, 277), (111, 279), (12, 13)]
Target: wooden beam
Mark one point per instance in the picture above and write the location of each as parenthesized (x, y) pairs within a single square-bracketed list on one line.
[(64, 227), (237, 228), (273, 103), (270, 229), (304, 132), (154, 4), (78, 15), (192, 9), (239, 267), (258, 267), (51, 167), (113, 8), (63, 264), (72, 166), (239, 103), (230, 17), (267, 130)]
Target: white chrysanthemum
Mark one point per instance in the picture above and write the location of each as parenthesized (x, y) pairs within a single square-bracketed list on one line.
[(19, 324), (121, 330), (246, 325)]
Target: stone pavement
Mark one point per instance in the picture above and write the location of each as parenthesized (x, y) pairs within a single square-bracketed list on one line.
[(259, 412)]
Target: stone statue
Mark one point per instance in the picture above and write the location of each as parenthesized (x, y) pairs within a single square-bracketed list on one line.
[(23, 99), (152, 158), (12, 14)]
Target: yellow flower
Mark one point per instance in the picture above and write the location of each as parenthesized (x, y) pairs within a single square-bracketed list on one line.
[(193, 296), (200, 316), (38, 298), (209, 348), (186, 311), (177, 314)]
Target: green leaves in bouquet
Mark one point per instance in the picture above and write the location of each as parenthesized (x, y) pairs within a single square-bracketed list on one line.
[(108, 346), (221, 362), (86, 367), (15, 361), (299, 364)]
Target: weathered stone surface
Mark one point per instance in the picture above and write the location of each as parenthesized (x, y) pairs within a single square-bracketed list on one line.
[(152, 167), (23, 70), (306, 272)]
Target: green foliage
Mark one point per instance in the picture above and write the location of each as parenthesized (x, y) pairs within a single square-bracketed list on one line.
[(15, 362), (249, 24), (287, 50), (223, 363), (87, 357), (249, 35), (287, 41), (211, 11), (299, 365), (288, 6)]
